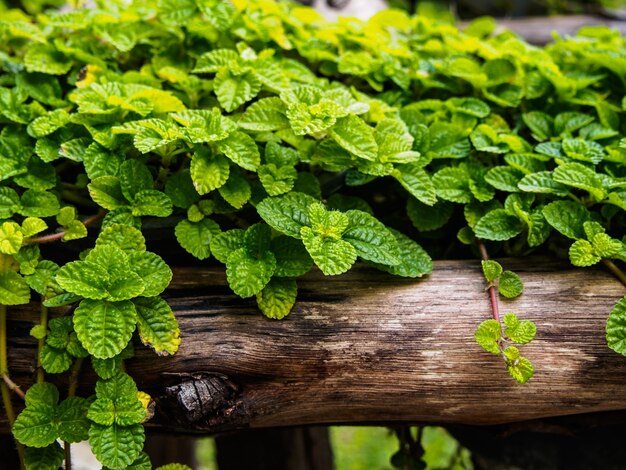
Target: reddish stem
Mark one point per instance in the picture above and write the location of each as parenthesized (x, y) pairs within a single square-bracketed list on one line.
[(53, 237), (493, 295), (13, 386)]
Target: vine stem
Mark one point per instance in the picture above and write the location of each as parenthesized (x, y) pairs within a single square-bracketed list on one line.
[(617, 272), (493, 295), (53, 237), (41, 343), (15, 388), (4, 369), (73, 385)]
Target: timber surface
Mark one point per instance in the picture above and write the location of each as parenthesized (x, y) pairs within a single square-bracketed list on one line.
[(368, 347)]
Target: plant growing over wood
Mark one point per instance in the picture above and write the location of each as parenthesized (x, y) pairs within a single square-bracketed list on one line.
[(257, 132)]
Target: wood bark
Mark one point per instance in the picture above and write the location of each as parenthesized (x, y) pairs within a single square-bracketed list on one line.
[(368, 347), (539, 29)]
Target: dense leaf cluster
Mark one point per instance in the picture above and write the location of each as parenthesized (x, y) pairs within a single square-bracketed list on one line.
[(257, 130)]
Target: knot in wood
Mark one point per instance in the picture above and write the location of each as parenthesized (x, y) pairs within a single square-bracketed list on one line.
[(203, 395)]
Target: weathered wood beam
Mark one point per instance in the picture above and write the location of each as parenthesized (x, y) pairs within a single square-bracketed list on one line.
[(368, 347), (539, 29)]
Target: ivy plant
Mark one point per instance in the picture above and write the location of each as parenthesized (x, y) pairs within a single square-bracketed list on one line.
[(263, 137)]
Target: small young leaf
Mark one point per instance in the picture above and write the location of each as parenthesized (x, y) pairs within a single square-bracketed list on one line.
[(333, 256), (498, 225), (223, 244), (248, 275), (519, 331), (491, 269), (157, 325), (521, 369), (581, 253), (488, 335), (277, 297), (510, 285), (196, 237)]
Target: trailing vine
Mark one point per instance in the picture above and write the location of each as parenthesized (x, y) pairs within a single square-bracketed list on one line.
[(270, 140)]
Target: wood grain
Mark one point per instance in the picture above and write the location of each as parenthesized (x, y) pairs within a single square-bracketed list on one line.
[(367, 347)]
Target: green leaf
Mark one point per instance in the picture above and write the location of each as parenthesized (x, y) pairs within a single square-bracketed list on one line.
[(71, 419), (181, 190), (134, 177), (208, 172), (223, 244), (213, 61), (491, 269), (38, 204), (116, 446), (54, 360), (266, 114), (125, 237), (333, 256), (9, 202), (46, 59), (42, 393), (414, 260), (153, 271), (275, 180), (35, 426), (277, 297), (581, 177), (416, 181), (540, 124), (510, 285), (605, 246), (354, 135), (567, 217), (121, 385), (157, 325), (104, 328), (452, 184), (121, 282), (242, 150), (521, 369), (46, 458), (236, 191), (542, 182), (13, 289), (292, 259), (107, 192), (372, 240), (427, 218), (616, 327), (504, 178), (234, 90), (581, 253), (519, 331), (196, 237), (150, 202), (11, 238), (286, 214), (498, 225), (248, 275), (488, 335)]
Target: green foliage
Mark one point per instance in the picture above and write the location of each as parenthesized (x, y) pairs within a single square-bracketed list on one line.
[(273, 141)]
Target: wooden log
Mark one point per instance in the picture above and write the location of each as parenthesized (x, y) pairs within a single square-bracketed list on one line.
[(539, 29), (367, 347)]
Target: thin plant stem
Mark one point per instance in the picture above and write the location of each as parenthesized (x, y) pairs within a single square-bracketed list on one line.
[(493, 295), (41, 343), (53, 237), (67, 448), (4, 370), (617, 272), (73, 385), (15, 388)]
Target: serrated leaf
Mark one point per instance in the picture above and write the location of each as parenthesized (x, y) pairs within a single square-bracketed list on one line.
[(427, 218), (579, 176), (134, 177), (288, 213), (414, 260), (32, 226), (416, 181), (333, 256), (195, 237), (150, 202), (13, 289), (9, 202), (208, 172), (234, 90), (107, 192), (292, 259), (223, 244), (581, 253), (488, 335), (616, 327), (567, 217), (42, 393), (605, 246), (542, 182), (519, 331), (275, 180), (104, 328), (11, 238), (354, 135), (504, 178), (452, 184), (125, 237), (248, 275), (521, 369), (540, 124), (266, 114), (242, 150), (153, 271), (491, 269), (121, 283), (54, 360), (157, 325), (510, 285), (36, 203), (45, 458), (116, 446), (277, 297), (372, 240), (71, 419), (35, 427), (498, 225), (213, 61)]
